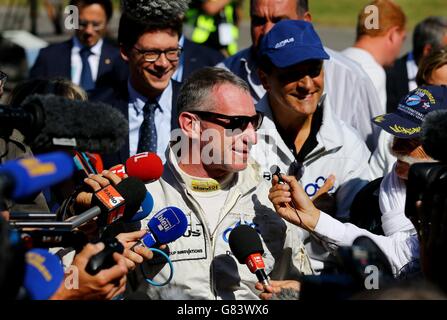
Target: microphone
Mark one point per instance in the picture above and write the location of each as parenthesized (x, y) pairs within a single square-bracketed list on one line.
[(47, 121), (146, 166), (434, 134), (145, 209), (246, 246), (53, 238), (165, 226), (43, 274), (110, 204), (276, 171), (24, 177), (104, 259), (120, 202)]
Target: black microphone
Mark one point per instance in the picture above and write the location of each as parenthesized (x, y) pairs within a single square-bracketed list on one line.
[(276, 171), (104, 259), (53, 238), (246, 246), (111, 204), (434, 135), (49, 121), (120, 202)]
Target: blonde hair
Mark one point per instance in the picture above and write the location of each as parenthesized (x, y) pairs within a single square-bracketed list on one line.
[(435, 60), (390, 15)]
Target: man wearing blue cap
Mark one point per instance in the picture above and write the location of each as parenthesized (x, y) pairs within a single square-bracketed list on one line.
[(353, 96), (300, 134)]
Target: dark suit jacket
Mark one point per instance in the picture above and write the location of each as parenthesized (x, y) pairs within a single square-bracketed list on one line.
[(396, 83), (55, 61), (118, 97), (197, 56)]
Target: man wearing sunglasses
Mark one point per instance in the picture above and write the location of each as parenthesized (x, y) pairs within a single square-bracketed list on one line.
[(211, 178), (87, 59), (300, 134), (345, 79)]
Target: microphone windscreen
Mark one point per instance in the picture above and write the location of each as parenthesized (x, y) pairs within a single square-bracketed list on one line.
[(275, 169), (145, 209), (434, 134), (168, 224), (146, 166), (244, 241), (43, 274), (134, 192), (31, 175), (82, 125)]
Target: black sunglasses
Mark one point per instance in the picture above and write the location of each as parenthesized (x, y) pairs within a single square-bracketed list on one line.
[(232, 122)]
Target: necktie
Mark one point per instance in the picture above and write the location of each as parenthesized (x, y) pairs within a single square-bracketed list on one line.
[(148, 135), (86, 74)]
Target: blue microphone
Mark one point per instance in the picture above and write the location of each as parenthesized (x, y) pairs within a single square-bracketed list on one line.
[(145, 209), (165, 226), (43, 274), (24, 177)]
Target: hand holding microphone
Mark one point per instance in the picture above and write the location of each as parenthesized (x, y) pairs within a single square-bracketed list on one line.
[(104, 285), (293, 204), (277, 287), (139, 253)]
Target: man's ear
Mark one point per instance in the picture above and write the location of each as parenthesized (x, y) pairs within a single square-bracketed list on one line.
[(124, 54), (264, 79), (394, 34), (189, 125), (307, 17)]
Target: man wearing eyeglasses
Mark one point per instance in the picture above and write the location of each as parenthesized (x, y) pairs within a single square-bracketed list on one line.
[(87, 59), (300, 133), (149, 44), (211, 178)]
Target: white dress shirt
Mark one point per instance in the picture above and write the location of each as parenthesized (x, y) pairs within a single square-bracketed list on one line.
[(178, 74), (412, 70), (374, 70), (76, 61), (162, 119)]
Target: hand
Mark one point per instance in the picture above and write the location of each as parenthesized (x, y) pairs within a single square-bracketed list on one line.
[(138, 254), (103, 286), (323, 200), (328, 184), (96, 182), (5, 215), (276, 287), (306, 214)]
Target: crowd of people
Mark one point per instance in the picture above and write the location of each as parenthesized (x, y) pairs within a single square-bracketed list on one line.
[(316, 150)]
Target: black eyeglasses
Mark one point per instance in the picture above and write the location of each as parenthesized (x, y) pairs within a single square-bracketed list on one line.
[(3, 78), (153, 55), (232, 122)]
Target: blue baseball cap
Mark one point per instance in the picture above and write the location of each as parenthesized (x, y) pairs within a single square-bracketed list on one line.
[(290, 42), (406, 121)]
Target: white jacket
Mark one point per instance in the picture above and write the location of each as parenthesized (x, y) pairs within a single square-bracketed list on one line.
[(352, 94), (204, 266), (340, 152)]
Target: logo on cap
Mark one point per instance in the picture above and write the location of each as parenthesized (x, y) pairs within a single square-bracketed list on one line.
[(284, 42), (413, 100)]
